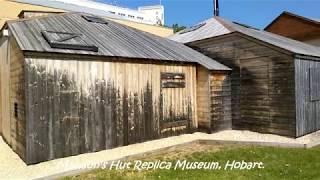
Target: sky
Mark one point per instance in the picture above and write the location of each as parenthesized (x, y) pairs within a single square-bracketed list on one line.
[(256, 13)]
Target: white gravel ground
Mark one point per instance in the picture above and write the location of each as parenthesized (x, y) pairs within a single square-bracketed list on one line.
[(12, 167)]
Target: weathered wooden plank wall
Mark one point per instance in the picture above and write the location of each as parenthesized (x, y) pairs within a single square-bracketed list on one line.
[(4, 91), (213, 100), (223, 51), (12, 96), (84, 106), (203, 98), (220, 96), (3, 56), (17, 99), (308, 110), (262, 83)]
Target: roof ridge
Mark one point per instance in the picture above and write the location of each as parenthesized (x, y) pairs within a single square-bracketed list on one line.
[(222, 21), (40, 17), (292, 15), (301, 17)]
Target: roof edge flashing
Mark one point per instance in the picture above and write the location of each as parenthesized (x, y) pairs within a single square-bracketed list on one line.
[(307, 57)]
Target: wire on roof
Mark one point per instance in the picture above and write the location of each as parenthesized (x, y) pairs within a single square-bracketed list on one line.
[(192, 28)]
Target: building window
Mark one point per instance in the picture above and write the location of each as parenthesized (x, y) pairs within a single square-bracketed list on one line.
[(141, 18), (130, 16), (314, 84), (121, 14), (112, 12), (16, 110)]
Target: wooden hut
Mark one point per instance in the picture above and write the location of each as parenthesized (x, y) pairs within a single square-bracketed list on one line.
[(275, 81), (74, 83)]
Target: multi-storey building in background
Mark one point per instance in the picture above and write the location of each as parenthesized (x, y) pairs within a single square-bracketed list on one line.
[(147, 18), (153, 15)]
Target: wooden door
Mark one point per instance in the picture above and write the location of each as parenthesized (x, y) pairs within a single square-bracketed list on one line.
[(175, 105)]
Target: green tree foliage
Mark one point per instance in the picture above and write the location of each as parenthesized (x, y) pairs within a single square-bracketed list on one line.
[(177, 28)]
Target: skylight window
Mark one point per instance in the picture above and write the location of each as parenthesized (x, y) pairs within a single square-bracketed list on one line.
[(192, 28), (95, 19), (66, 40)]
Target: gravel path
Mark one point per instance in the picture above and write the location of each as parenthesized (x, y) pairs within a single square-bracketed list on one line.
[(12, 167)]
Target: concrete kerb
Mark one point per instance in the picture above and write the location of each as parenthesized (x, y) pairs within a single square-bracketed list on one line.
[(313, 144), (257, 143)]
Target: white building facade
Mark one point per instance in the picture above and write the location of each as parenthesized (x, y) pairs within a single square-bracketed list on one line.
[(153, 15)]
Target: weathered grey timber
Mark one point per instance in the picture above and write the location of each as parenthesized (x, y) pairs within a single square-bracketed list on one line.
[(307, 95), (274, 82), (80, 84)]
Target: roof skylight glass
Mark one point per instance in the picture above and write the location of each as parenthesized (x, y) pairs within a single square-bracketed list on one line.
[(67, 40)]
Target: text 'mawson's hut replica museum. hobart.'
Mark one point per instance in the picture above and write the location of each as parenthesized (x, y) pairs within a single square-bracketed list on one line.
[(73, 83)]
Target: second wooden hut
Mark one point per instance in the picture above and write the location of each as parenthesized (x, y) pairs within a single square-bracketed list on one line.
[(275, 80)]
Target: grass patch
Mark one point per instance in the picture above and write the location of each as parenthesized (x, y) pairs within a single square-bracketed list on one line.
[(279, 163)]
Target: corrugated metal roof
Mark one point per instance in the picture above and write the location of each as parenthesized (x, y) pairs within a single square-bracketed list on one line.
[(211, 28), (214, 29), (112, 40), (276, 40)]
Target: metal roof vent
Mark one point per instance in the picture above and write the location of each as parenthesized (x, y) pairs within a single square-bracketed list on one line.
[(67, 40), (95, 19), (216, 7)]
